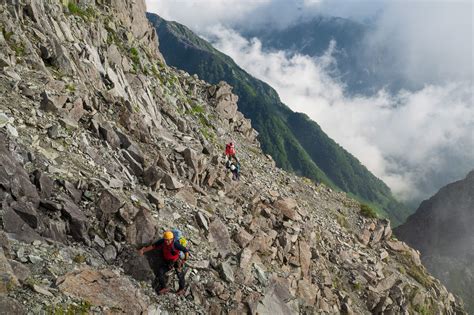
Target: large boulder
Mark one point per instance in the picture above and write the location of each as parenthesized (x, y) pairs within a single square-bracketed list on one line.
[(288, 208), (78, 223), (219, 236), (16, 227), (135, 265), (11, 306), (104, 288), (143, 229), (8, 280), (275, 299), (108, 205)]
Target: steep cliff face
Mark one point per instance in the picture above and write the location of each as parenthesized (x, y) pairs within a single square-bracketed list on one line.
[(103, 147), (442, 230)]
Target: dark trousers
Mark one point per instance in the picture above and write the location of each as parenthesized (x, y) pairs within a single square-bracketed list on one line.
[(163, 279)]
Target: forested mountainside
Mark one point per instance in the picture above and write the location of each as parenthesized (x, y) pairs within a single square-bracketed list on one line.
[(441, 229), (295, 142), (103, 147)]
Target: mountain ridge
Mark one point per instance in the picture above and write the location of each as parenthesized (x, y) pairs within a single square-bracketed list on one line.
[(313, 153), (445, 221)]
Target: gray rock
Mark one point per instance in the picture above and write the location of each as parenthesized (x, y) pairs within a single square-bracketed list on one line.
[(274, 301), (136, 153), (200, 265), (52, 103), (26, 91), (34, 259), (4, 120), (226, 272), (10, 306), (110, 253), (219, 236), (8, 280), (152, 177), (78, 222), (242, 237), (27, 212), (42, 290), (125, 141), (108, 134), (156, 199), (12, 131), (99, 241), (77, 110), (108, 205), (137, 266), (128, 213), (55, 230), (136, 167), (201, 220), (73, 191), (386, 283), (12, 74), (172, 182), (287, 208), (115, 183), (54, 132), (377, 235), (49, 205), (143, 229), (17, 228)]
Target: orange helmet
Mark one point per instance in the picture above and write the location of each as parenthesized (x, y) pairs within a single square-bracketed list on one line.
[(168, 235)]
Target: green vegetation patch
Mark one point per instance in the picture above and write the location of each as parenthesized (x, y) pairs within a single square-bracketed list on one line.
[(83, 307), (70, 87), (367, 211), (87, 14), (18, 48), (416, 272)]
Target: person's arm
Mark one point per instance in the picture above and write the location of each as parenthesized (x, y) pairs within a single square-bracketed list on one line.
[(146, 249), (178, 246)]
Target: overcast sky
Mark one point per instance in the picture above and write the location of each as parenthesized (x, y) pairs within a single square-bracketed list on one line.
[(416, 141)]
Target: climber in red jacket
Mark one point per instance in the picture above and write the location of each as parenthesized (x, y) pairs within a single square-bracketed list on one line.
[(230, 150), (170, 249)]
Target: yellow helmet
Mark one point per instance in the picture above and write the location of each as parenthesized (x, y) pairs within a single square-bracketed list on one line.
[(168, 235)]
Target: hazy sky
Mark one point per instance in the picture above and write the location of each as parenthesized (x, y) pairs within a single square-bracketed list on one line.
[(416, 141)]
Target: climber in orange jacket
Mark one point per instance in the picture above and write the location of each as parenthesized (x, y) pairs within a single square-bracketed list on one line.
[(170, 249)]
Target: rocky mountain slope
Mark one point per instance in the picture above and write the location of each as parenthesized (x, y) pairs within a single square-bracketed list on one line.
[(103, 147), (296, 142), (445, 223)]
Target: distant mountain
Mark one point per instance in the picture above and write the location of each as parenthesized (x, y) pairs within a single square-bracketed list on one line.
[(442, 230), (361, 70), (295, 142)]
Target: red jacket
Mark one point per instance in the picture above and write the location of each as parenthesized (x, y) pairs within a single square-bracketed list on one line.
[(170, 252), (229, 150)]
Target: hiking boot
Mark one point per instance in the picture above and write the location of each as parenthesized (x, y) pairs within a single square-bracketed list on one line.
[(164, 291), (180, 292)]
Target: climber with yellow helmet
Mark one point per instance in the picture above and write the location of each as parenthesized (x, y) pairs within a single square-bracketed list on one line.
[(170, 249)]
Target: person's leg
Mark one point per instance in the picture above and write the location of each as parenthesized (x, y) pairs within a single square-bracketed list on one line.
[(181, 280), (179, 269), (162, 279)]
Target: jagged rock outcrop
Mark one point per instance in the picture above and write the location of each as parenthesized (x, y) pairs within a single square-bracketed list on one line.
[(103, 147), (441, 229)]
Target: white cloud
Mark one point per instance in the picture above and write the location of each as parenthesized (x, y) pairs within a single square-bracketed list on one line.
[(424, 42), (198, 14), (405, 139), (416, 141)]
